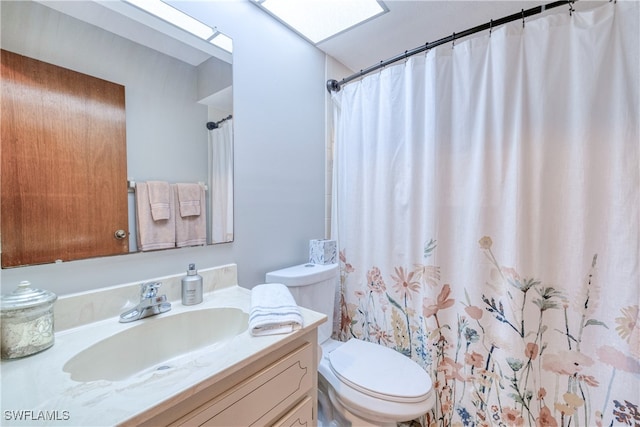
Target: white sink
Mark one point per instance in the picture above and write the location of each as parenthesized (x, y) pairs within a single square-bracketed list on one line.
[(156, 340)]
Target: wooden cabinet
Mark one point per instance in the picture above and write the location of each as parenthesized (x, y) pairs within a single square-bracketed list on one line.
[(261, 397), (276, 389), (300, 415)]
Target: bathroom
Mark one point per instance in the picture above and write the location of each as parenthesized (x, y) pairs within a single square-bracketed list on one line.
[(281, 109)]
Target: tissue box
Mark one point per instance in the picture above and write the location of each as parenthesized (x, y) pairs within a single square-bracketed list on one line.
[(323, 251)]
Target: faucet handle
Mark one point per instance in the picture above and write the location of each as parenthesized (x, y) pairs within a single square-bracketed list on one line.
[(149, 289)]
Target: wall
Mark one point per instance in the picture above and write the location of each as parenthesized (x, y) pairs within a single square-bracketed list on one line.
[(213, 76), (278, 99), (279, 139)]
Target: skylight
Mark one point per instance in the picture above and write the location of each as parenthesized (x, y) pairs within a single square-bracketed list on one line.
[(180, 19), (318, 20)]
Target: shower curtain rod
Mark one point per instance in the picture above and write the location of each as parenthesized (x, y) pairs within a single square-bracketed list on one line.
[(216, 125), (334, 85)]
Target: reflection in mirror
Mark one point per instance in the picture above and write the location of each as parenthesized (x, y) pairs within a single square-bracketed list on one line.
[(175, 86), (221, 179)]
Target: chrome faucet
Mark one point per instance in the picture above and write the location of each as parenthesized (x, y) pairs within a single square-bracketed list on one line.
[(150, 304)]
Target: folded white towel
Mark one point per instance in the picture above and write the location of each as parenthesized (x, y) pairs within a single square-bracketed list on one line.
[(273, 310), (159, 195), (189, 197)]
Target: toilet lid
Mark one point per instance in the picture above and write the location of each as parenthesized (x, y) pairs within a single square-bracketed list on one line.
[(380, 372)]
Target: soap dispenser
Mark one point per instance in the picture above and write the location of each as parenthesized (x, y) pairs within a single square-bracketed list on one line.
[(192, 287)]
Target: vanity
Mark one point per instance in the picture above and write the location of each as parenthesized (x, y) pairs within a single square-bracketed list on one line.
[(165, 370)]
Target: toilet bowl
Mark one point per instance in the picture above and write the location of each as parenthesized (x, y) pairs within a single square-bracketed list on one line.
[(359, 383), (374, 385)]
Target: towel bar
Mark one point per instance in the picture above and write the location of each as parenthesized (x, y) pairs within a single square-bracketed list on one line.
[(131, 185)]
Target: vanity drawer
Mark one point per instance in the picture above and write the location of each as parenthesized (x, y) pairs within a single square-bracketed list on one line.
[(300, 415), (262, 397)]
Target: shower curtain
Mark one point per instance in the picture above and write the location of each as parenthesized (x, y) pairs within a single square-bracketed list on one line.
[(221, 182), (486, 203)]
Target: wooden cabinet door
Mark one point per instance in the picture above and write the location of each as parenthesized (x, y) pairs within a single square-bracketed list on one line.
[(300, 416), (63, 180)]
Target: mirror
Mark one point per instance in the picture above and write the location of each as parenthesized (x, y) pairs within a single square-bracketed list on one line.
[(179, 125)]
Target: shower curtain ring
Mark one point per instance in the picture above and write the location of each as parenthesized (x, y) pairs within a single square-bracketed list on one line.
[(490, 27), (522, 18), (571, 9), (453, 40)]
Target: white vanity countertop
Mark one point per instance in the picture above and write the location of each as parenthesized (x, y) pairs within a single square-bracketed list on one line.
[(37, 390)]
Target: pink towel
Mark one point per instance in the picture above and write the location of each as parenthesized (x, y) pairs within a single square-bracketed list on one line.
[(152, 234), (189, 199), (159, 195), (191, 230)]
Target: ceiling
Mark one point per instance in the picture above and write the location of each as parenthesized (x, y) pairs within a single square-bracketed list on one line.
[(407, 25), (125, 20), (412, 23)]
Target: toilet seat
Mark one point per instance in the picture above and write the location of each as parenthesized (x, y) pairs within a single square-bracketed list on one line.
[(379, 403), (382, 373)]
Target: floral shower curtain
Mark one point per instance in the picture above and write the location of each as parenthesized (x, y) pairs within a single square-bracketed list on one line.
[(487, 210)]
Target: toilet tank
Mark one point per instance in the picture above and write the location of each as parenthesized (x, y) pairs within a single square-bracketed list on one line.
[(313, 286)]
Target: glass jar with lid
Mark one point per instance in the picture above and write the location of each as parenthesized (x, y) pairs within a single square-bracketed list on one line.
[(26, 316)]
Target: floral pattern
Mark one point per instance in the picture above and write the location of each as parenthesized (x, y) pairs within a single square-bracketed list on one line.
[(510, 352)]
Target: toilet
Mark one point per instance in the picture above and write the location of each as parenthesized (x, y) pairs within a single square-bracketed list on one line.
[(359, 383)]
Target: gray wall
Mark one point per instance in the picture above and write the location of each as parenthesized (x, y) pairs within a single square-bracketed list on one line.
[(279, 150)]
